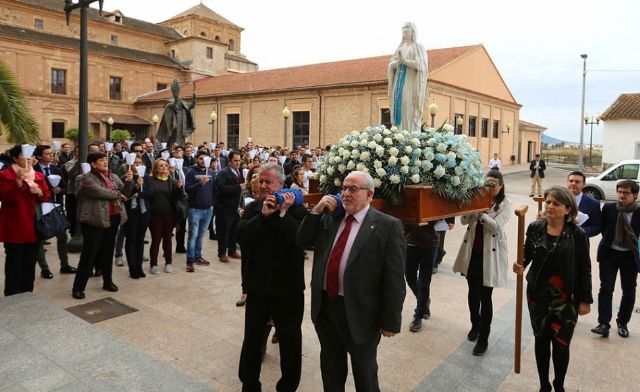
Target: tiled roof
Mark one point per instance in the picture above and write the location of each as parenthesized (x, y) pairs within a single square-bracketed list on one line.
[(94, 47), (140, 25), (531, 126), (626, 107), (347, 73), (203, 11)]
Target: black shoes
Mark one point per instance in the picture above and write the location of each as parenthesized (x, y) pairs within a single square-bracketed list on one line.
[(46, 274), (603, 330), (481, 347), (110, 287), (473, 334), (98, 273), (77, 294), (416, 324), (623, 331), (426, 314), (181, 249), (68, 270)]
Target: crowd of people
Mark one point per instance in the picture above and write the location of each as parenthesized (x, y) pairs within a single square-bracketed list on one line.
[(250, 201)]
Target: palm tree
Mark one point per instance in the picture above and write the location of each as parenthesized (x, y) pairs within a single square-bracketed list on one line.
[(15, 118)]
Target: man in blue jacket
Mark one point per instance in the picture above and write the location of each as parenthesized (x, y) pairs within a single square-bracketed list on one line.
[(200, 187), (586, 204)]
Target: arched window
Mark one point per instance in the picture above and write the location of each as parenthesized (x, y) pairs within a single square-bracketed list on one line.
[(217, 38), (230, 45), (203, 34)]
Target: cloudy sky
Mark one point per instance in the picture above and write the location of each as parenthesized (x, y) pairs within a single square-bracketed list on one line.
[(536, 45)]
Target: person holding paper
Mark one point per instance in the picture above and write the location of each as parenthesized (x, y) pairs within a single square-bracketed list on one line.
[(587, 205), (137, 207), (229, 186), (44, 157), (21, 188)]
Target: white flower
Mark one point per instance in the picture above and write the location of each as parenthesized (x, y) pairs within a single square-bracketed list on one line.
[(351, 165), (345, 142), (408, 149), (451, 155), (342, 168), (337, 182), (427, 165), (399, 137), (441, 147), (388, 132), (394, 151), (394, 179), (416, 142), (365, 156), (377, 164), (323, 179), (331, 170), (392, 160), (380, 172), (346, 153), (431, 141), (377, 137), (364, 136), (447, 128), (355, 133), (439, 172), (380, 151), (405, 160), (354, 144), (417, 162), (388, 141), (372, 145), (415, 178), (364, 142), (355, 154), (360, 166), (455, 180), (377, 183), (405, 169), (365, 169)]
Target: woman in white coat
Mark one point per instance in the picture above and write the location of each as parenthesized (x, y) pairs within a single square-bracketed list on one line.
[(482, 259)]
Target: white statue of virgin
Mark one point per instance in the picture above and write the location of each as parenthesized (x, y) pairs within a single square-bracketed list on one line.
[(407, 75)]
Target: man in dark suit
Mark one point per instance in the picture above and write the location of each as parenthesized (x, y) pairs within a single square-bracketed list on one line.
[(149, 157), (229, 186), (357, 282), (44, 155), (586, 204), (537, 167), (273, 277), (618, 250)]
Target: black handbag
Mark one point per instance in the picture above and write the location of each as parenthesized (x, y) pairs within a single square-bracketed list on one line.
[(51, 224)]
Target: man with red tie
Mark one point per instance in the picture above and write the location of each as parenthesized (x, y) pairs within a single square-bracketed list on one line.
[(357, 281), (229, 185)]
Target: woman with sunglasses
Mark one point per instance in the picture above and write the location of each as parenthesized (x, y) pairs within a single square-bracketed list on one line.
[(482, 259)]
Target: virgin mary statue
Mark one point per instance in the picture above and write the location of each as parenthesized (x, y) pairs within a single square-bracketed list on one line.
[(407, 75)]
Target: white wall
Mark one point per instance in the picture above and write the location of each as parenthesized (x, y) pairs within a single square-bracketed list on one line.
[(619, 140)]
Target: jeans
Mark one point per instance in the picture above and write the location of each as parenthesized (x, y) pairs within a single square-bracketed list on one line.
[(418, 272), (199, 219)]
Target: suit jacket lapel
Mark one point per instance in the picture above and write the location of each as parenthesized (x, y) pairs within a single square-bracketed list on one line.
[(367, 228)]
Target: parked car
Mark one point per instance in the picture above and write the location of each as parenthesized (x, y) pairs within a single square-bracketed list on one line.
[(603, 186)]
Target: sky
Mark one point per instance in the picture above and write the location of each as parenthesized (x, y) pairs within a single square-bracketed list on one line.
[(536, 45)]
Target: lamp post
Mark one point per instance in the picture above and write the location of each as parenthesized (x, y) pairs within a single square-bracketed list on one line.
[(285, 113), (109, 128), (459, 121), (589, 121), (433, 109), (508, 128), (213, 116), (155, 120), (584, 82)]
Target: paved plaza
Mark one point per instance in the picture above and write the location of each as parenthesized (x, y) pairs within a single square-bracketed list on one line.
[(187, 333)]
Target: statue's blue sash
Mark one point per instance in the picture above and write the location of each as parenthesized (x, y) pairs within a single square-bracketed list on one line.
[(397, 95)]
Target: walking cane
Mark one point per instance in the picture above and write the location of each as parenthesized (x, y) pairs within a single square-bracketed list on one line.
[(539, 200), (520, 213)]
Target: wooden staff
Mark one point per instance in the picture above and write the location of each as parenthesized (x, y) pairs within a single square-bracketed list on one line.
[(539, 200), (520, 213)]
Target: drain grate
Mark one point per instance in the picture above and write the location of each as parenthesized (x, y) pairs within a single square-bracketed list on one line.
[(100, 310)]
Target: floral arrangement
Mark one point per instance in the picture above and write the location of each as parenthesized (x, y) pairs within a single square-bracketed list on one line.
[(394, 159)]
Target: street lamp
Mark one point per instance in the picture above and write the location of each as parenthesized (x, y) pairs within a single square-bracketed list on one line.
[(155, 120), (589, 121), (285, 113), (110, 128), (584, 82), (459, 121), (433, 109), (213, 116), (508, 128)]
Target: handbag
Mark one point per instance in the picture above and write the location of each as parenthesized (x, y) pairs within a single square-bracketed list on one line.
[(52, 223)]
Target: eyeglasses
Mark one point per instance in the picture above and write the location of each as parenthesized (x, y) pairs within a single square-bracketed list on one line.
[(352, 188), (625, 193)]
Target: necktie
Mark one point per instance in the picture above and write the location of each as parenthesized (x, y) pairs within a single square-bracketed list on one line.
[(47, 172), (333, 269)]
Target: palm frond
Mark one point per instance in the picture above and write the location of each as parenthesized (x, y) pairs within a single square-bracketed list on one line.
[(14, 114)]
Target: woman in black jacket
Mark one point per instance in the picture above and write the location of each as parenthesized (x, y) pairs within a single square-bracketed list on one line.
[(558, 282), (138, 213)]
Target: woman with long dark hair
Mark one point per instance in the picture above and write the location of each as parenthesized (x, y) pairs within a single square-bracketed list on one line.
[(138, 214), (482, 259), (558, 282), (21, 188)]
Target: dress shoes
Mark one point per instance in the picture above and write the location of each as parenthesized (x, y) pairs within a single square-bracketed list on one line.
[(46, 274), (223, 259), (234, 255), (481, 347), (623, 331), (473, 334), (416, 324), (68, 270), (181, 249), (602, 330), (190, 267), (98, 273), (201, 261), (77, 294), (110, 287)]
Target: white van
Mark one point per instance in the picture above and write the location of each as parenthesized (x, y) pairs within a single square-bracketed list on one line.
[(603, 186)]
